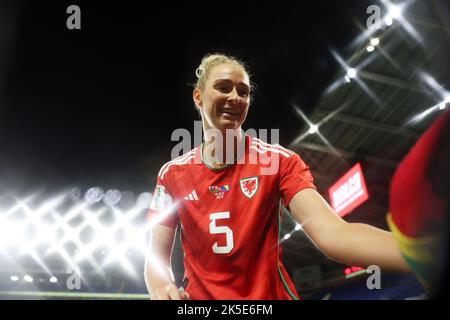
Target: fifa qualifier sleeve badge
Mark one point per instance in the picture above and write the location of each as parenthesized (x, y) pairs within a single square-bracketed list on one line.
[(161, 199)]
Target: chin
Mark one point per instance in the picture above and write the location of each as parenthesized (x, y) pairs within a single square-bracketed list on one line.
[(229, 125)]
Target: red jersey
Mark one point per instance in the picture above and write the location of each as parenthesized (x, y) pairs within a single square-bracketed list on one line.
[(230, 220)]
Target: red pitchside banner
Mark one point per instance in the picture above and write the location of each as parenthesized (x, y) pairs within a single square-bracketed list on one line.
[(349, 191)]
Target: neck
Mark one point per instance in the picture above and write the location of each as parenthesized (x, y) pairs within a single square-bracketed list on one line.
[(221, 148)]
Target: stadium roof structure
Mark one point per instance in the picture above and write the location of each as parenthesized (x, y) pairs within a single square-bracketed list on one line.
[(386, 94)]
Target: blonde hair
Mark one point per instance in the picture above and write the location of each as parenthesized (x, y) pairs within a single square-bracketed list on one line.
[(211, 60)]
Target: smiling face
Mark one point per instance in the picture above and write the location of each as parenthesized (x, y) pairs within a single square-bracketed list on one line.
[(224, 98)]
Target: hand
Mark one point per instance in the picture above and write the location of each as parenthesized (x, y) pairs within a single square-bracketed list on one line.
[(169, 292)]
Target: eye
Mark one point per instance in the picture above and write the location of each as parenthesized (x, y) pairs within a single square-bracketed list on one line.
[(243, 93), (223, 87)]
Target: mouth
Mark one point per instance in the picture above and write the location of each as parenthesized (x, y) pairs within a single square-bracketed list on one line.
[(229, 113)]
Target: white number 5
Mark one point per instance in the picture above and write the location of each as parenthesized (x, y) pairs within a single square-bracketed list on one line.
[(213, 229)]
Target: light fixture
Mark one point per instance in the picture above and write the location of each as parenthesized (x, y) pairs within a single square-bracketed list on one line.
[(394, 11), (375, 41), (370, 48), (27, 278), (388, 20), (144, 200), (94, 195), (112, 197), (313, 129), (447, 99), (351, 73)]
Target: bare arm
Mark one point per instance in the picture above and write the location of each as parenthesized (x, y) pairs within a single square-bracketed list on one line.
[(351, 243), (158, 274)]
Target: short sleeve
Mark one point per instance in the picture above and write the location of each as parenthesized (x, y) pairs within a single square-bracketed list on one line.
[(294, 177), (162, 210)]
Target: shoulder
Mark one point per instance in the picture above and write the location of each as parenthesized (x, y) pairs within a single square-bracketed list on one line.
[(181, 161), (267, 148)]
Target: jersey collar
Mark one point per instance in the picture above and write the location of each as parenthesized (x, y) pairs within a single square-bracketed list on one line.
[(245, 141)]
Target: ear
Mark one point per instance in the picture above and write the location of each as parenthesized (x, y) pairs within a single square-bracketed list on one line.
[(196, 95)]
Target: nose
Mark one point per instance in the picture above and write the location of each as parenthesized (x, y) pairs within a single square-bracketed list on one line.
[(234, 96)]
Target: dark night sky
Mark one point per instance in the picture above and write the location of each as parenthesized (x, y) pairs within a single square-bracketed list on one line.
[(98, 105)]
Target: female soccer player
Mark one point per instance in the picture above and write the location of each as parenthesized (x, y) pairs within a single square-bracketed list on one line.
[(229, 211)]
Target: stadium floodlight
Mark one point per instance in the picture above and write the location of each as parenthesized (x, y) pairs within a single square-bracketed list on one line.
[(77, 232), (313, 129), (94, 195), (437, 88), (112, 197), (144, 200), (388, 20), (374, 42), (396, 12), (351, 73)]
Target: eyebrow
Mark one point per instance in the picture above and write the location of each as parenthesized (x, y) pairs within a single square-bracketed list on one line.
[(228, 80)]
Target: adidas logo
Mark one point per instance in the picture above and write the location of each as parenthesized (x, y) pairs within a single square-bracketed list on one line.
[(191, 196)]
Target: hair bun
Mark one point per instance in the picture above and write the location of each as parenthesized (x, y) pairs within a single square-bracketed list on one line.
[(199, 72)]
